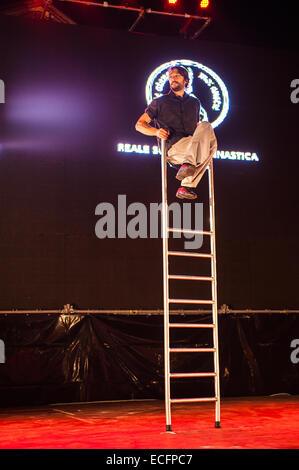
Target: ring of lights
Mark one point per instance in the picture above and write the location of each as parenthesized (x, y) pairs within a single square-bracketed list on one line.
[(213, 81)]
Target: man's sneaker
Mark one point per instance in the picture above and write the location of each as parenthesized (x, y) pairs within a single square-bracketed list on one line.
[(185, 170), (185, 193)]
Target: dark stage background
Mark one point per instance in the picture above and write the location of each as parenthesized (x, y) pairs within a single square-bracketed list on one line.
[(72, 93)]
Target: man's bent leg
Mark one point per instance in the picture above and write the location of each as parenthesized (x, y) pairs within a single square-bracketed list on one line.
[(203, 145), (177, 154)]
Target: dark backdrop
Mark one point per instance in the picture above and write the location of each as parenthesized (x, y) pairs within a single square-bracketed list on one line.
[(72, 93), (70, 357)]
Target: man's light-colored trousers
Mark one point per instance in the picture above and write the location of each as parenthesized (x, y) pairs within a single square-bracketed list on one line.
[(197, 149)]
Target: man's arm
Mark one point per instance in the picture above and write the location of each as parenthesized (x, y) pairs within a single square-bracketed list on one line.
[(142, 125)]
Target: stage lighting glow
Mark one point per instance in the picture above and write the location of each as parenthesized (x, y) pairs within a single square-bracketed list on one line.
[(43, 106), (204, 3), (172, 2)]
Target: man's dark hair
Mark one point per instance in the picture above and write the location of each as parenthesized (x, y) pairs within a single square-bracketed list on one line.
[(181, 70)]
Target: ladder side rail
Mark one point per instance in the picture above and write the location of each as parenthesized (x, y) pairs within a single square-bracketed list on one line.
[(164, 226), (214, 292)]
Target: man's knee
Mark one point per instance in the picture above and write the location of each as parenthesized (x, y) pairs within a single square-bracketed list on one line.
[(205, 125), (203, 129)]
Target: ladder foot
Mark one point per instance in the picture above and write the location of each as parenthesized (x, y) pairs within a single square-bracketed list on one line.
[(168, 428), (217, 424)]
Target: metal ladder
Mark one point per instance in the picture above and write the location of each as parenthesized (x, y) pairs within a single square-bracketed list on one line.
[(167, 300)]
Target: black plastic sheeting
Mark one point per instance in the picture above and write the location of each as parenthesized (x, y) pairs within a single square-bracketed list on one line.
[(69, 357)]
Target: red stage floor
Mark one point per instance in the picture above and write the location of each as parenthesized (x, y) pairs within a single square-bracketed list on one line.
[(246, 423)]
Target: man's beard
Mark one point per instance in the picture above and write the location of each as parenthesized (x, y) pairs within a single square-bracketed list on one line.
[(176, 87)]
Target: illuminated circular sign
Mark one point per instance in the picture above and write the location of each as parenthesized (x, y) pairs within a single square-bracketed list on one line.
[(204, 84)]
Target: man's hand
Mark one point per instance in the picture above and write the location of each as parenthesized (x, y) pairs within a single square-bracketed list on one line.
[(162, 134), (143, 126)]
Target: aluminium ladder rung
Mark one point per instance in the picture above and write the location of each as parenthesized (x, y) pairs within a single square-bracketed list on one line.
[(191, 325), (196, 255), (191, 400), (190, 301), (192, 350), (195, 232), (190, 278), (191, 374)]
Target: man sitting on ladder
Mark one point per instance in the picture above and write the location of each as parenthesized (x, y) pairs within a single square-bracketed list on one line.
[(189, 143)]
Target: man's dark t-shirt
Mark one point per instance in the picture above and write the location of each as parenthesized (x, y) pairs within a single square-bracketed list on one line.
[(177, 114)]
